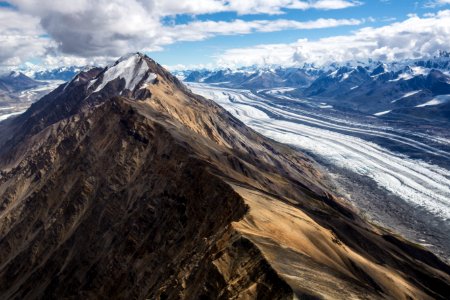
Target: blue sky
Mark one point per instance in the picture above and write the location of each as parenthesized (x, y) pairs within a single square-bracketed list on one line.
[(218, 33)]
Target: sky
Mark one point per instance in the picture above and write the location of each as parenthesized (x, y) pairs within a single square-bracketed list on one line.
[(187, 34)]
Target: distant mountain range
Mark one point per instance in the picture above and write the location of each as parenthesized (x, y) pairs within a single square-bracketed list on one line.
[(63, 73), (256, 78), (415, 88), (382, 90), (17, 81), (399, 89)]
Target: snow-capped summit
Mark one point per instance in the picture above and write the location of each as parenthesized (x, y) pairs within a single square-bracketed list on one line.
[(380, 69), (131, 71), (14, 74), (17, 81)]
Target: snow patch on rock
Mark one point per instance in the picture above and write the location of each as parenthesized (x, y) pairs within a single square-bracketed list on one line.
[(132, 68), (406, 95), (436, 101), (382, 113)]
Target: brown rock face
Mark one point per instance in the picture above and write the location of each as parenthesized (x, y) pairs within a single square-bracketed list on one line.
[(147, 191)]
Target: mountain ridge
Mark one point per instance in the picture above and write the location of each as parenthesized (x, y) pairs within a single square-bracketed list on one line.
[(172, 196)]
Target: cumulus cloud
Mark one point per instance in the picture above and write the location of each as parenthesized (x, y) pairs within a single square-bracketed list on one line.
[(92, 30), (21, 37), (436, 3), (413, 38)]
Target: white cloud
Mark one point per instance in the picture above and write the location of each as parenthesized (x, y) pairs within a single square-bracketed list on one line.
[(92, 30), (170, 7), (20, 37), (334, 4), (413, 38), (436, 3), (195, 31)]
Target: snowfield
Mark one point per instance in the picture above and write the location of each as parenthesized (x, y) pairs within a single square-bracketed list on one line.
[(381, 113), (406, 95), (436, 101), (132, 68)]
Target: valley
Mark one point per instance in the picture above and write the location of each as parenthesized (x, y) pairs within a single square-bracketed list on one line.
[(14, 103), (398, 177)]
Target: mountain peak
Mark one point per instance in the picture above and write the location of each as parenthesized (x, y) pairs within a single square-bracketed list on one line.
[(15, 74), (132, 72), (132, 55)]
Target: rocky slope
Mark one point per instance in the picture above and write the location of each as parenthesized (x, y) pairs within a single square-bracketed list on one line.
[(124, 184)]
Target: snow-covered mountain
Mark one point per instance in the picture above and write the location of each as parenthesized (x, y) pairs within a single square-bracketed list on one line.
[(17, 81), (383, 90), (130, 75)]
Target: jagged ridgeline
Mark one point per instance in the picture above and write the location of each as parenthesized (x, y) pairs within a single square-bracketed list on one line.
[(124, 184)]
